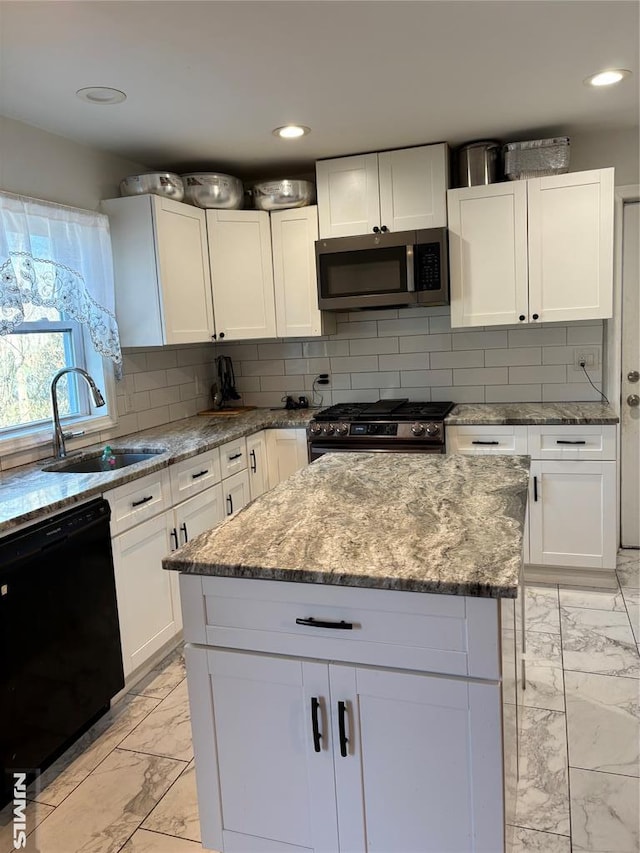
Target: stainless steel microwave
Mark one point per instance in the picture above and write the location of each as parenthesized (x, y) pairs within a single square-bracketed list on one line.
[(383, 270)]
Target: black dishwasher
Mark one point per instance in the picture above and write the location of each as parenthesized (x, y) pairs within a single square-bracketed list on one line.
[(60, 656)]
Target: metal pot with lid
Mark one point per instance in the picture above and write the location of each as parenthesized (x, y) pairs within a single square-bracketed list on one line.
[(479, 163)]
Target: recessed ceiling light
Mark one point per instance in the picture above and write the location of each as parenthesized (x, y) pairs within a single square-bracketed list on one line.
[(608, 77), (101, 95), (291, 131)]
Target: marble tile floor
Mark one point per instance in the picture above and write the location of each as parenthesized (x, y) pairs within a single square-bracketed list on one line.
[(128, 785)]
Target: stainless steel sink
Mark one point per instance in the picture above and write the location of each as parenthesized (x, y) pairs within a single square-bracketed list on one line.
[(93, 464)]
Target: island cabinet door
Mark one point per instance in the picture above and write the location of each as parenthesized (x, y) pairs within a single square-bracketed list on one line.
[(421, 757), (263, 752)]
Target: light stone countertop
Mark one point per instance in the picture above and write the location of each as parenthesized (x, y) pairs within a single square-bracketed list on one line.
[(28, 493), (398, 521), (531, 413)]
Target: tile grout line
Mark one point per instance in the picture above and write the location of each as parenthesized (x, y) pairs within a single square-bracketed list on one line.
[(566, 723)]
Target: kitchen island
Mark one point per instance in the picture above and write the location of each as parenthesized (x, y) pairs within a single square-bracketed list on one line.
[(351, 658)]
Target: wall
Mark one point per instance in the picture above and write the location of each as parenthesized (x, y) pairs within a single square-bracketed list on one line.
[(414, 353), (601, 149)]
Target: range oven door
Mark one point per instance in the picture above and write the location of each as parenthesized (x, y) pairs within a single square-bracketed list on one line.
[(316, 449)]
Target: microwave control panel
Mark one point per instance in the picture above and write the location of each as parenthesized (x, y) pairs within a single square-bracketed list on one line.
[(428, 270)]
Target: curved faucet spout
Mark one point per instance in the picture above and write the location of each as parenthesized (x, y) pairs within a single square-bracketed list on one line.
[(59, 448)]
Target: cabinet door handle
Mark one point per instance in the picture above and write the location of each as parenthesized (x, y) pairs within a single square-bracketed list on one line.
[(315, 623), (566, 441), (142, 501), (344, 740), (254, 462), (235, 456), (535, 488), (230, 505), (199, 474), (315, 709), (183, 528), (174, 536), (485, 442)]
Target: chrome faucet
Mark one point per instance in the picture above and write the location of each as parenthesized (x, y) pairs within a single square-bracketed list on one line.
[(59, 449)]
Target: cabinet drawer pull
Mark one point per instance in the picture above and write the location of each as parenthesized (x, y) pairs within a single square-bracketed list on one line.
[(254, 463), (315, 709), (230, 505), (566, 441), (485, 442), (316, 623), (235, 456), (142, 501), (344, 740), (199, 474), (535, 488), (183, 528), (174, 537)]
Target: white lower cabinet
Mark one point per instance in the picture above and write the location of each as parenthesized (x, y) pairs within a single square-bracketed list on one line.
[(236, 492), (304, 755), (258, 468), (571, 517), (572, 514), (286, 453)]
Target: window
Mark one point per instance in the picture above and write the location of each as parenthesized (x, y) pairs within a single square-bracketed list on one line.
[(56, 311)]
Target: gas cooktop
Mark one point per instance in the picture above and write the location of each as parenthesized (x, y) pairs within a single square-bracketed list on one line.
[(386, 410)]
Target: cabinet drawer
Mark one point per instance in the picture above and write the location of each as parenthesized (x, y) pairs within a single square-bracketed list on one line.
[(233, 457), (429, 632), (487, 439), (138, 500), (194, 475), (573, 442)]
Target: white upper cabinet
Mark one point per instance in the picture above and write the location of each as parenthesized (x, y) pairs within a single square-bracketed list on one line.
[(241, 274), (161, 270), (398, 190), (539, 250), (293, 236)]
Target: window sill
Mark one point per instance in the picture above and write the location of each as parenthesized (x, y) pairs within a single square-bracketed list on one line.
[(36, 443)]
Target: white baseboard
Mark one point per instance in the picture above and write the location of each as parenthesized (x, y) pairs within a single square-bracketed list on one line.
[(571, 576), (144, 670)]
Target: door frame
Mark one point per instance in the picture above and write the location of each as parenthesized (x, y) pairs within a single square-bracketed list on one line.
[(613, 329)]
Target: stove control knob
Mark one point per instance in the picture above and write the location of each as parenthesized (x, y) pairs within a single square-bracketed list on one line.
[(329, 429), (315, 429), (342, 429), (432, 429), (417, 429)]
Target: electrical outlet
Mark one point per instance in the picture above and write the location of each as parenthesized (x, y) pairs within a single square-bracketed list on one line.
[(589, 355)]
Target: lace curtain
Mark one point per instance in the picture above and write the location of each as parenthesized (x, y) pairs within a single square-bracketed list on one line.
[(58, 257)]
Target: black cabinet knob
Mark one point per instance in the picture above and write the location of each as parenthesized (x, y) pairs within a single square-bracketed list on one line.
[(535, 316), (221, 335), (522, 317), (384, 228), (376, 230)]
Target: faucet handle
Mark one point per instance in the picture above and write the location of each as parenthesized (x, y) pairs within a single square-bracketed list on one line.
[(74, 434)]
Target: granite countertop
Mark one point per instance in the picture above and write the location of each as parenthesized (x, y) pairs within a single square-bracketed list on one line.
[(414, 522), (532, 413), (28, 493)]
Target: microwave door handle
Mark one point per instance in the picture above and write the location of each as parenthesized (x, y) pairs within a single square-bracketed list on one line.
[(411, 285)]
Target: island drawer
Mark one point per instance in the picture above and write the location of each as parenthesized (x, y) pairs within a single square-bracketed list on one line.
[(192, 476), (456, 635)]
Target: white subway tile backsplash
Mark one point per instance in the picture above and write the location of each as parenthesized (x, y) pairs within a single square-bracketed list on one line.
[(247, 383), (359, 396), (584, 334), (538, 336), (539, 374), (425, 378), (154, 417), (459, 394), (337, 381), (420, 394), (161, 358), (390, 379), (513, 357), (263, 399), (373, 346), (180, 375), (481, 376), (409, 325), (357, 330), (425, 343), (438, 325), (280, 350), (404, 361), (372, 314), (320, 349), (577, 374), (274, 367), (166, 396), (479, 340), (306, 365), (356, 364), (571, 392), (150, 379), (239, 352), (513, 393), (557, 355), (133, 361), (458, 358)]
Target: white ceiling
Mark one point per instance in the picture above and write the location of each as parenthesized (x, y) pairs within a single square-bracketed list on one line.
[(208, 81)]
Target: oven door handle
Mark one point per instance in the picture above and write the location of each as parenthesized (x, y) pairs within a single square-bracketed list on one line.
[(411, 284)]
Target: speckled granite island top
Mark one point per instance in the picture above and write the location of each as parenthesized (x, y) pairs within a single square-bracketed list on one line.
[(531, 413), (413, 522)]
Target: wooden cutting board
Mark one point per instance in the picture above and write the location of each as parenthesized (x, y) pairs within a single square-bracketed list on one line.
[(221, 413)]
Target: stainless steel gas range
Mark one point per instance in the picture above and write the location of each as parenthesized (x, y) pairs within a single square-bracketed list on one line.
[(386, 425)]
